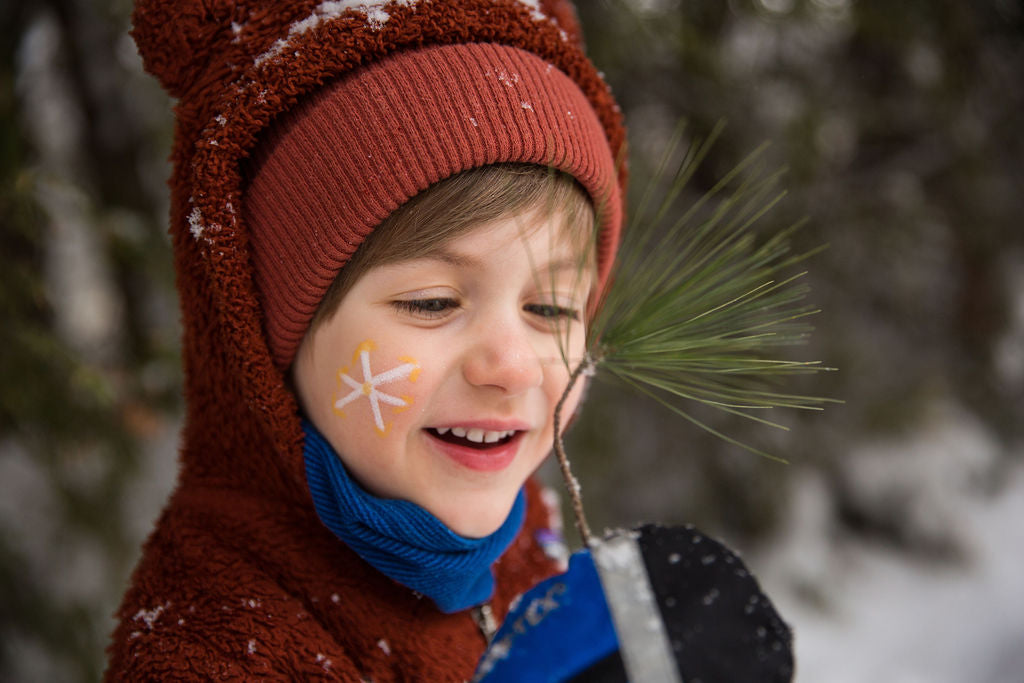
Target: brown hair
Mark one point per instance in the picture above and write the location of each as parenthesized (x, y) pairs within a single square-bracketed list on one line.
[(458, 204)]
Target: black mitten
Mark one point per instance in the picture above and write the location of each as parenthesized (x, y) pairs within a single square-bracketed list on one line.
[(665, 603)]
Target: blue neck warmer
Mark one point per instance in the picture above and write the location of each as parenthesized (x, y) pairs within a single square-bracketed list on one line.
[(401, 539)]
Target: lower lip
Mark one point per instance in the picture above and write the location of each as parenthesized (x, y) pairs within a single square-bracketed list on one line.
[(492, 459)]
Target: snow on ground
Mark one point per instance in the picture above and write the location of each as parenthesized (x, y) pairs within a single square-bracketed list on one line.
[(863, 611)]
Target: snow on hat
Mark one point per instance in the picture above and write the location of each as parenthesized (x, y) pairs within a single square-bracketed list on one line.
[(377, 99)]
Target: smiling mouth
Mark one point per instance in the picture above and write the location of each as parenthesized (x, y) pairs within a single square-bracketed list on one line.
[(474, 437)]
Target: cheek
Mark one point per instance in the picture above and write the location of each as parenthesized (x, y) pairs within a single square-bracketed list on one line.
[(572, 403), (376, 389), (556, 379)]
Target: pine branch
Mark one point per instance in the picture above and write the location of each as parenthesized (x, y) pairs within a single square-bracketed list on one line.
[(699, 304), (572, 485)]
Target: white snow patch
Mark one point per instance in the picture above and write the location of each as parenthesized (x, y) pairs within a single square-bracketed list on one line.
[(553, 506), (376, 19), (527, 106), (535, 12), (150, 616), (909, 617), (324, 661), (277, 48), (251, 647), (195, 223), (915, 478), (509, 80), (329, 10), (384, 647)]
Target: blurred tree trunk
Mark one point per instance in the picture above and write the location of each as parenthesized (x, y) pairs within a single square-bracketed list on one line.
[(89, 363)]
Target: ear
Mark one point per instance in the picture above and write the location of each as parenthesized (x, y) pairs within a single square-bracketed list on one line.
[(564, 14)]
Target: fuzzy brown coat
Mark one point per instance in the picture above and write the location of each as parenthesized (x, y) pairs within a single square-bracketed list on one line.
[(238, 587), (240, 580)]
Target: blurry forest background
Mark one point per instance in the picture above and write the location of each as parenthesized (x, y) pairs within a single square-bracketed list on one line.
[(892, 541)]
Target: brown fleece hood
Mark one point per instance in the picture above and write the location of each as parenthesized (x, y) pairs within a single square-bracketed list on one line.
[(234, 67), (240, 580)]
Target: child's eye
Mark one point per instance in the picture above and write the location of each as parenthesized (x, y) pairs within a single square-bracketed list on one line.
[(428, 308), (552, 311)]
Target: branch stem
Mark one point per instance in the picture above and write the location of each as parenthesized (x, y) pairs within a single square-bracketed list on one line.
[(571, 484)]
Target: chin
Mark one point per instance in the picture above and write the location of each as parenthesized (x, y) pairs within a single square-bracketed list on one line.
[(475, 521)]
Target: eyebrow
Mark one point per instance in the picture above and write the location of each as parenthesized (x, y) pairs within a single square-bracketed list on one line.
[(461, 260), (450, 257), (567, 264)]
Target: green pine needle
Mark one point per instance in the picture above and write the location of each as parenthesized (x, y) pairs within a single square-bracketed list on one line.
[(700, 306)]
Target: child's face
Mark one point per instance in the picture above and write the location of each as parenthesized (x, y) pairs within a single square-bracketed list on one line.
[(436, 378)]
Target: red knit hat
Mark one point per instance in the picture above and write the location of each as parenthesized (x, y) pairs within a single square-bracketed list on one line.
[(356, 150), (240, 68)]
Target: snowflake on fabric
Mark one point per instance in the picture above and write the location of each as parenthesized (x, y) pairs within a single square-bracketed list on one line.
[(368, 387)]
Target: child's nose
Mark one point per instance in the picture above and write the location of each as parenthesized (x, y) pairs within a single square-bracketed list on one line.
[(504, 358)]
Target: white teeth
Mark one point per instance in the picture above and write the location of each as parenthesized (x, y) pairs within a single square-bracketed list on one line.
[(475, 434)]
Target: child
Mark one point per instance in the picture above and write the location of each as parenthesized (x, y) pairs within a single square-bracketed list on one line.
[(384, 227), (371, 365)]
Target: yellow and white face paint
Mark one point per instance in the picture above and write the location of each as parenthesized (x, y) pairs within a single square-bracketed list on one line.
[(369, 384)]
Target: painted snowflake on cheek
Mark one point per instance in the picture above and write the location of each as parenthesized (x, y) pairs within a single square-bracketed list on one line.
[(368, 387)]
